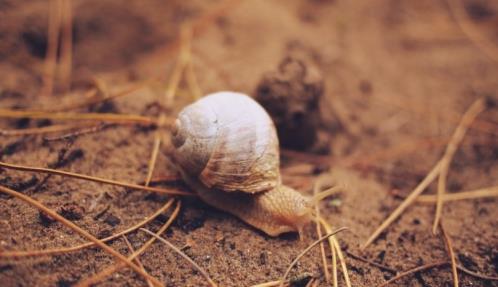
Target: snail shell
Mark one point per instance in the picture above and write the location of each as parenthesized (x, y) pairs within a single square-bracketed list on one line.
[(226, 148)]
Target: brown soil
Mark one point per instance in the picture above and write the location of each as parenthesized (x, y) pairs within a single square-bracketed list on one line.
[(397, 74)]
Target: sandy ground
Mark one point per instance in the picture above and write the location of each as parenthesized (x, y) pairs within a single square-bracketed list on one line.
[(398, 75)]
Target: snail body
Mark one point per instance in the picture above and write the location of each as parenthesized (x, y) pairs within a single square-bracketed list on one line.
[(226, 148)]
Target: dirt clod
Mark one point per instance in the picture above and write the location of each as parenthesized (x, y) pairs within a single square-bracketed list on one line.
[(71, 211), (112, 220), (291, 95)]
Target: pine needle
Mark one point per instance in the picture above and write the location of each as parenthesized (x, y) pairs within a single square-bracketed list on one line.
[(137, 260), (373, 263), (79, 132), (111, 269), (55, 251), (192, 81), (451, 254), (96, 99), (306, 251), (40, 130), (66, 45), (473, 34), (337, 248), (94, 179), (80, 231), (155, 151), (54, 23), (108, 118), (405, 204), (436, 264), (412, 271), (316, 188), (473, 194), (268, 284), (178, 251), (185, 42), (467, 119)]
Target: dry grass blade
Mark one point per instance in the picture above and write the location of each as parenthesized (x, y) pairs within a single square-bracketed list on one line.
[(108, 271), (94, 179), (155, 151), (267, 284), (316, 188), (475, 109), (178, 251), (182, 62), (137, 260), (54, 23), (94, 99), (477, 275), (41, 130), (407, 202), (101, 117), (306, 250), (363, 259), (192, 80), (66, 45), (474, 194), (484, 44), (80, 231), (337, 248), (55, 251), (451, 254), (79, 132), (412, 271), (436, 264)]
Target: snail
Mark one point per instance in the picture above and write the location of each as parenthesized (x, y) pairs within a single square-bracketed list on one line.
[(226, 149)]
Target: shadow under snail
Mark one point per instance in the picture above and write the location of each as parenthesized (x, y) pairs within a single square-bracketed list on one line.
[(226, 149)]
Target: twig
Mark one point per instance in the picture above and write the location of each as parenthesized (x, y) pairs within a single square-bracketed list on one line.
[(80, 231), (111, 269), (306, 251), (467, 119), (56, 251), (94, 179), (202, 271), (373, 263), (474, 194), (451, 254), (407, 202)]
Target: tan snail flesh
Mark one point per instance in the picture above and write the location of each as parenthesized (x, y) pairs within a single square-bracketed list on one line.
[(226, 148)]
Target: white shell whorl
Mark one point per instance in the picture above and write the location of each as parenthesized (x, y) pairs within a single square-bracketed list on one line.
[(228, 141)]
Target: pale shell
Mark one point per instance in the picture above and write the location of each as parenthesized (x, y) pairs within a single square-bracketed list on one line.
[(228, 142)]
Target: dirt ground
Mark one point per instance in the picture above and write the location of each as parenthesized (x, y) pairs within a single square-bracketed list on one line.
[(397, 77)]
